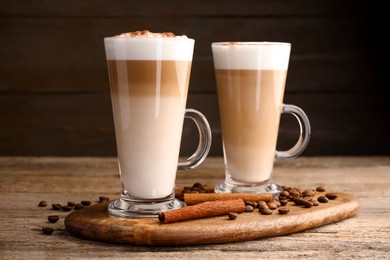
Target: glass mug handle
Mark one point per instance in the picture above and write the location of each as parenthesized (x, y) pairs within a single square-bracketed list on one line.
[(304, 136), (204, 140)]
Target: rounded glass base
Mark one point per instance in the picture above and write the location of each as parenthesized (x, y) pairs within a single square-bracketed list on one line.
[(266, 187), (127, 206)]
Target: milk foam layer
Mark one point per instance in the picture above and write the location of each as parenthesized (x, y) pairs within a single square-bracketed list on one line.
[(251, 55), (149, 46)]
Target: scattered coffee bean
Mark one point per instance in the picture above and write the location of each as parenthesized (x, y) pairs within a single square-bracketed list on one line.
[(308, 193), (47, 230), (323, 199), (276, 201), (331, 195), (283, 202), (197, 185), (262, 204), (316, 203), (86, 202), (272, 205), (78, 206), (284, 194), (266, 211), (294, 194), (103, 198), (42, 204), (283, 211), (248, 208), (320, 189), (56, 206), (71, 203), (66, 208), (232, 215), (311, 199), (53, 218), (251, 203), (198, 189), (299, 201), (307, 204)]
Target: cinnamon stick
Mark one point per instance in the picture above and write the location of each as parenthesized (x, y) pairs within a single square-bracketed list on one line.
[(195, 198), (202, 210)]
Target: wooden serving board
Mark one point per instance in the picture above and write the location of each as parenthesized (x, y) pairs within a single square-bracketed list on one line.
[(95, 223)]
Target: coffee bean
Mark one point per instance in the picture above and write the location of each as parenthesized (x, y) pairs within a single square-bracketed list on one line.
[(86, 202), (197, 185), (316, 203), (71, 203), (323, 199), (272, 205), (283, 211), (248, 208), (198, 189), (307, 204), (308, 193), (66, 208), (331, 195), (53, 218), (251, 203), (47, 230), (78, 206), (294, 194), (262, 204), (283, 202), (266, 211), (320, 189), (299, 201), (232, 215), (284, 194), (103, 198), (56, 206), (42, 204)]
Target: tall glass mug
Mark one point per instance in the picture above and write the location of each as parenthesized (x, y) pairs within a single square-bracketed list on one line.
[(149, 75), (250, 79)]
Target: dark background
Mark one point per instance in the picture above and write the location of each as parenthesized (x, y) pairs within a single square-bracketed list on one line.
[(54, 90)]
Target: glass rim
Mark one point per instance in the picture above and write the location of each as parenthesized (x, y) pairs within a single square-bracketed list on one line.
[(116, 38), (250, 43)]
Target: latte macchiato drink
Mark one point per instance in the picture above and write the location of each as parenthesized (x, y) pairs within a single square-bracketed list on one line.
[(242, 95), (250, 81), (149, 76)]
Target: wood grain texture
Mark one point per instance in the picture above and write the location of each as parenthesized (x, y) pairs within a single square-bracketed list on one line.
[(27, 180)]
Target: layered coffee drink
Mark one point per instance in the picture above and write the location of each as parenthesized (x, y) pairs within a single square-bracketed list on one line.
[(250, 154), (149, 76), (250, 85)]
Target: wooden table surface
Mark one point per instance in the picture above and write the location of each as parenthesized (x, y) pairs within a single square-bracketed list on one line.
[(25, 181)]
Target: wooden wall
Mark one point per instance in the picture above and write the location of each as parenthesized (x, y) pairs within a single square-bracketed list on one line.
[(54, 91)]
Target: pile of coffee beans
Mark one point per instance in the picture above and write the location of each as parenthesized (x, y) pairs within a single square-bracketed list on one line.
[(290, 196), (65, 207), (306, 198), (195, 188)]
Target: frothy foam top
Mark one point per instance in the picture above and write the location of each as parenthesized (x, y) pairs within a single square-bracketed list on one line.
[(146, 45), (146, 33), (251, 55)]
